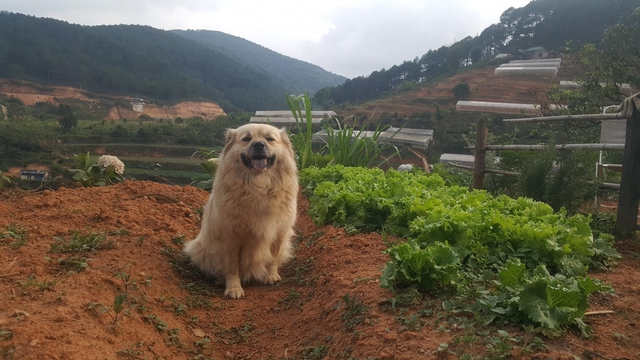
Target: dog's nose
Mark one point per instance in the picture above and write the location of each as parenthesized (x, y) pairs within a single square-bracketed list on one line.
[(259, 145)]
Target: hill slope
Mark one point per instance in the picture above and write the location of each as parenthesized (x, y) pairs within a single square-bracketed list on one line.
[(547, 23), (142, 61), (294, 75)]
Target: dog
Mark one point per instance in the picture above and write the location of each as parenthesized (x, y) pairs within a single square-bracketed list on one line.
[(247, 224)]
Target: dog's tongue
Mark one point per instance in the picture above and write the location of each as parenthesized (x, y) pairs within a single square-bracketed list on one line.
[(259, 164)]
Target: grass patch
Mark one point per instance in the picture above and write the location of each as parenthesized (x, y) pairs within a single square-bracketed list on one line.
[(79, 243)]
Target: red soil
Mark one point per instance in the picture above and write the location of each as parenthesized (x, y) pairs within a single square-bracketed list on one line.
[(306, 312)]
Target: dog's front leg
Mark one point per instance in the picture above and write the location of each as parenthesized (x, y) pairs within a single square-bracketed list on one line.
[(233, 287)]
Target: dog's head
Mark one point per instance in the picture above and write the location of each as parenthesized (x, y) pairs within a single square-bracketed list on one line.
[(258, 146)]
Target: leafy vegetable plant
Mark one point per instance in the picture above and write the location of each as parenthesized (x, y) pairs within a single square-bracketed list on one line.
[(513, 259)]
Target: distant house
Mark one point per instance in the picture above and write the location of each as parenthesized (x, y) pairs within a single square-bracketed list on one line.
[(537, 52), (137, 104), (35, 175)]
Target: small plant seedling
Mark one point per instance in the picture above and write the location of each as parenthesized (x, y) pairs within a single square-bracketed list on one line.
[(127, 283), (118, 306), (16, 233)]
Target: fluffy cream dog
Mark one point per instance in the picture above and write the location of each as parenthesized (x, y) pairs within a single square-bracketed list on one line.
[(248, 220)]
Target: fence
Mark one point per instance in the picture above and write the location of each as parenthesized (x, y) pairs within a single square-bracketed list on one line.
[(629, 196)]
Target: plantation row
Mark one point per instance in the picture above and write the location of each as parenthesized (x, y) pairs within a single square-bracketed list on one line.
[(510, 260)]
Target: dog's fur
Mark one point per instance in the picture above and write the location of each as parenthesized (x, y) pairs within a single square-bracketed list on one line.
[(248, 220)]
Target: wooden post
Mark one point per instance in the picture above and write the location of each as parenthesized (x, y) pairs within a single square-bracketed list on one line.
[(630, 180), (479, 159)]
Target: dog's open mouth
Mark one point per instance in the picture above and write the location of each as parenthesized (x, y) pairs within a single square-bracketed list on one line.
[(258, 162)]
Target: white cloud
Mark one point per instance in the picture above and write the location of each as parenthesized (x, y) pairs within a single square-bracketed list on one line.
[(347, 37)]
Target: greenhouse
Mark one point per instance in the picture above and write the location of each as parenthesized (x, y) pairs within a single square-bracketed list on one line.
[(539, 67), (285, 117), (414, 138), (497, 107)]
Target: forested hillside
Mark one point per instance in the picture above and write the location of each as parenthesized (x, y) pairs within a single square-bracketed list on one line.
[(552, 24), (294, 75), (140, 61)]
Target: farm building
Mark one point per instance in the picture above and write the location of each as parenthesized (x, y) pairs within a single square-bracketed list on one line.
[(461, 159), (410, 138), (498, 108), (36, 175), (537, 52), (541, 67), (573, 85), (285, 118)]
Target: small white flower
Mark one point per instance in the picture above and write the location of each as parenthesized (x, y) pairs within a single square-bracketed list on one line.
[(213, 160), (405, 167), (106, 160)]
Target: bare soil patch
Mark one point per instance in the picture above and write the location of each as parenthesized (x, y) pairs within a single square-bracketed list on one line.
[(329, 305)]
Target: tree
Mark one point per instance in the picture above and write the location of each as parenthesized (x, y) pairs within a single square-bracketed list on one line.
[(462, 90), (67, 117)]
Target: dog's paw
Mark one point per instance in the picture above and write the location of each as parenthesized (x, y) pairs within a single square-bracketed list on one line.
[(235, 292), (272, 279)]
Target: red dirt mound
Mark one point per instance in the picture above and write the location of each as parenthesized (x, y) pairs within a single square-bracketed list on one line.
[(60, 305)]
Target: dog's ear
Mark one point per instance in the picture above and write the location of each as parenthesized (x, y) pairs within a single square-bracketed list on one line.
[(229, 139), (284, 136)]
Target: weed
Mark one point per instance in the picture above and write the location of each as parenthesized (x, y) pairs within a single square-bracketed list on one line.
[(16, 233), (198, 301), (80, 243), (158, 323), (298, 272), (311, 239), (8, 352), (290, 300), (172, 337), (119, 232), (74, 263), (140, 241), (314, 352), (619, 337), (411, 322), (127, 283), (178, 240), (46, 284), (97, 308), (355, 311), (6, 334), (130, 353), (195, 288)]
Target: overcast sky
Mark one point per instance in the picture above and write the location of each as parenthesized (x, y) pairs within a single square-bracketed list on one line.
[(347, 37)]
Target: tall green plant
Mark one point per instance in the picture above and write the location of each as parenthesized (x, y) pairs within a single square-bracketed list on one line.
[(350, 147), (302, 140), (344, 146), (5, 180)]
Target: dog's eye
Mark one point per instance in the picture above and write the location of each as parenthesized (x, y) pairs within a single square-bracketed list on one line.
[(246, 138), (270, 139)]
